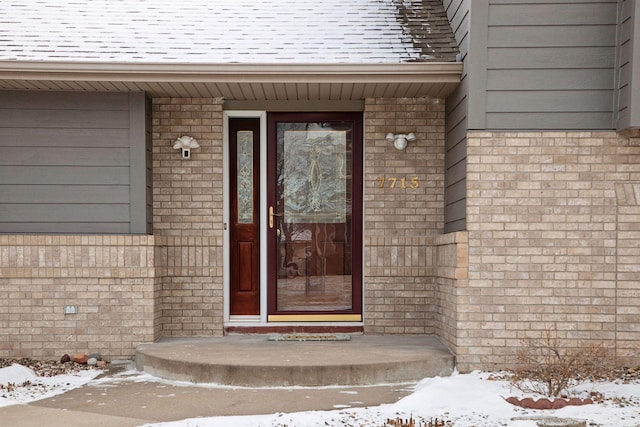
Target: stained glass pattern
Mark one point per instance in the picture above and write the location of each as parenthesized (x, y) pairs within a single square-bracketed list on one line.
[(245, 176), (314, 180)]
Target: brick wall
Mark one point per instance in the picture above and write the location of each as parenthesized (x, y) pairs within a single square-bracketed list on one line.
[(550, 243), (399, 223), (450, 260), (109, 279), (628, 272), (187, 215)]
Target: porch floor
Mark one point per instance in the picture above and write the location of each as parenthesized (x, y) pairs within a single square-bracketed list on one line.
[(254, 361)]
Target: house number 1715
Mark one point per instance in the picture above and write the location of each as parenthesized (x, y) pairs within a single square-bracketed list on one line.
[(402, 183)]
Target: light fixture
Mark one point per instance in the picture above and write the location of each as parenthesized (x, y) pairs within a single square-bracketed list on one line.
[(400, 140), (186, 143)]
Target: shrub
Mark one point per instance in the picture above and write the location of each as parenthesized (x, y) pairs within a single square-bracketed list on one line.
[(546, 367)]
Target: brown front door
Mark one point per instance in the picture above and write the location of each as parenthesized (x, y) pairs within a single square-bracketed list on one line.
[(314, 234), (244, 167)]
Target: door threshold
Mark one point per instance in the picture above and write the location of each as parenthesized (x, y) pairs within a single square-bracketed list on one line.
[(314, 318), (245, 319), (289, 329)]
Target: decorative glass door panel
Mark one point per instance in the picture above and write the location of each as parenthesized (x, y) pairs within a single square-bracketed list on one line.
[(244, 175), (244, 219), (314, 214)]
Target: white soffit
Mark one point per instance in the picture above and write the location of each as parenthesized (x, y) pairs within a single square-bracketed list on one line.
[(240, 81)]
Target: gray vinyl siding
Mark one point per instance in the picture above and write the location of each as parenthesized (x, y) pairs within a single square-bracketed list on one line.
[(548, 65), (629, 66), (74, 162), (456, 125)]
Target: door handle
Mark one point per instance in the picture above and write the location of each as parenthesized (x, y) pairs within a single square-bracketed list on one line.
[(271, 215)]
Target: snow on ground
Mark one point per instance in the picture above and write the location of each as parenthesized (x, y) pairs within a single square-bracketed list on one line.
[(19, 384), (467, 400)]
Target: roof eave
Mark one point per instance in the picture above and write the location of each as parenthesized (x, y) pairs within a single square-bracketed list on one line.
[(443, 73)]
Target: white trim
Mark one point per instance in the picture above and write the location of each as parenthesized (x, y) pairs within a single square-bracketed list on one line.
[(225, 216), (238, 320), (262, 318)]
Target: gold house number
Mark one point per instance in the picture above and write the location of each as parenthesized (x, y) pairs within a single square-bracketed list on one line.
[(401, 183)]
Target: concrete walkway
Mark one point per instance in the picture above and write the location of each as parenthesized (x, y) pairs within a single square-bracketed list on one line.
[(114, 401)]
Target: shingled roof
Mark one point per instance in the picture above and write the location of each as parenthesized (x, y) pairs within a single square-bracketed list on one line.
[(235, 49), (226, 31)]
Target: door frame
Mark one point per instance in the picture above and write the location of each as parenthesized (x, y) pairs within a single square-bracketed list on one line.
[(355, 314), (262, 317)]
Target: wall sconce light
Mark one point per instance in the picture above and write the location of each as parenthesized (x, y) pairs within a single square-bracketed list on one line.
[(400, 140), (186, 143)]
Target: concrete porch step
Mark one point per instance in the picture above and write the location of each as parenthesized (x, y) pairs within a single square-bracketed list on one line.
[(254, 361)]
